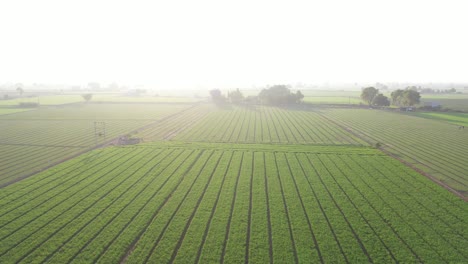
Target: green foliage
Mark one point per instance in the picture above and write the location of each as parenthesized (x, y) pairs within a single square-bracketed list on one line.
[(368, 94), (266, 124), (87, 97), (397, 97), (433, 146), (20, 90), (279, 95), (380, 100), (407, 97), (217, 96), (236, 96), (44, 136), (410, 97), (166, 204)]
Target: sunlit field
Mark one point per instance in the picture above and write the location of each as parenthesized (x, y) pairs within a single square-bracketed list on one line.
[(195, 182)]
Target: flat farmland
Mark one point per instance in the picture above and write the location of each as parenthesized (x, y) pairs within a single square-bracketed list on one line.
[(205, 203), (262, 124), (460, 119), (11, 110), (437, 148), (33, 140), (452, 101), (62, 99), (333, 100)]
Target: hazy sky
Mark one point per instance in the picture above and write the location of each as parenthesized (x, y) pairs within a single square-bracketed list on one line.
[(233, 43)]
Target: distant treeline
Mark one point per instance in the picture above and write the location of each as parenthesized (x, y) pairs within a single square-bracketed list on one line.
[(275, 95)]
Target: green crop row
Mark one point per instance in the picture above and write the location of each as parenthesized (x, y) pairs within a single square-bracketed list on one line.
[(166, 203), (434, 147), (34, 140), (261, 124)]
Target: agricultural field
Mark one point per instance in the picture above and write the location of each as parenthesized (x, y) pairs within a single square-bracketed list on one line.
[(62, 99), (44, 100), (262, 124), (215, 203), (436, 148), (144, 99), (169, 128), (33, 140), (332, 100), (459, 119), (7, 110), (451, 101)]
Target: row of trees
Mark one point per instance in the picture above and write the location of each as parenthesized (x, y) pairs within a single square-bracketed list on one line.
[(279, 95), (275, 95), (431, 91), (406, 98)]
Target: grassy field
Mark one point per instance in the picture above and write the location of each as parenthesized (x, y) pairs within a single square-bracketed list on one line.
[(435, 147), (33, 140), (197, 203)]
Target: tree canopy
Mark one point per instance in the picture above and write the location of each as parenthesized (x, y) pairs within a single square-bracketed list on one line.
[(279, 95), (381, 100), (20, 90), (217, 96), (368, 94), (87, 97), (407, 97), (235, 97), (397, 96), (411, 97)]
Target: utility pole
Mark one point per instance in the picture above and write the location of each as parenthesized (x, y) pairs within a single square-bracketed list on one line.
[(99, 131)]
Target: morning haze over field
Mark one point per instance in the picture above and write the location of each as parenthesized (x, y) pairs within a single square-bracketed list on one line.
[(227, 132)]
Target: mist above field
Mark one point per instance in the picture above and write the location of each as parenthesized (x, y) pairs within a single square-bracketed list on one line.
[(215, 44)]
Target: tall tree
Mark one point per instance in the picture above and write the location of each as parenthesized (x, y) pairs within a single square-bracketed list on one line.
[(20, 90), (411, 97), (380, 100), (236, 96), (279, 94), (368, 94), (299, 96), (87, 97), (397, 96), (217, 96)]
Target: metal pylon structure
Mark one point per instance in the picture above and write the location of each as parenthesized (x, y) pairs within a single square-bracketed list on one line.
[(99, 131)]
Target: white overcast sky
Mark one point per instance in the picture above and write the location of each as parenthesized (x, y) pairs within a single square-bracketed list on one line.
[(193, 44)]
